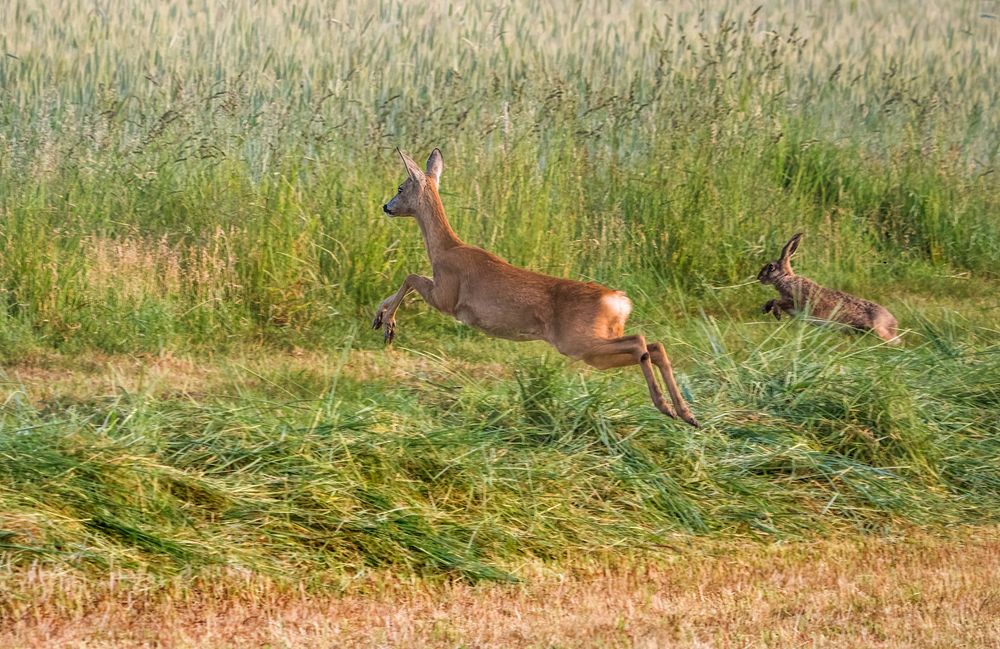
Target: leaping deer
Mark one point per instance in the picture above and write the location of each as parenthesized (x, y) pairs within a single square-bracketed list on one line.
[(582, 320)]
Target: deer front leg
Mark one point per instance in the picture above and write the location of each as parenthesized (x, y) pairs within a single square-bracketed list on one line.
[(385, 315)]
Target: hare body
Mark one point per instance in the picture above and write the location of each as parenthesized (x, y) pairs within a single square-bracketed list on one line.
[(802, 295)]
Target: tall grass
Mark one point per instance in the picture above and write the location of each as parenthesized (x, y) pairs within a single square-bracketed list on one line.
[(246, 151)]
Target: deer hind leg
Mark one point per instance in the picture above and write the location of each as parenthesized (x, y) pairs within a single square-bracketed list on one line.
[(658, 355), (385, 315), (624, 351)]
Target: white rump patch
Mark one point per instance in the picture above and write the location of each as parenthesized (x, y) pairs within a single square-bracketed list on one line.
[(618, 303)]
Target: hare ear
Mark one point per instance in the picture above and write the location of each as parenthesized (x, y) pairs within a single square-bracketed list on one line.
[(788, 251)]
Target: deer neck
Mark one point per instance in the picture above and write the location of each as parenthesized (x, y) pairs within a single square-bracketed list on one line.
[(438, 235)]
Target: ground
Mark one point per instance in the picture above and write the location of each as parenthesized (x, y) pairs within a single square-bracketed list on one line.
[(913, 590)]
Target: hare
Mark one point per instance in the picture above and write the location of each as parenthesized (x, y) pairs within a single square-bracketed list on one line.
[(800, 294)]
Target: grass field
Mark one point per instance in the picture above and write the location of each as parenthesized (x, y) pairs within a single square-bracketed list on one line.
[(192, 248)]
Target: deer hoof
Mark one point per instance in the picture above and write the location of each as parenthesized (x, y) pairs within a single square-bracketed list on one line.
[(377, 322), (665, 408), (390, 332), (689, 418)]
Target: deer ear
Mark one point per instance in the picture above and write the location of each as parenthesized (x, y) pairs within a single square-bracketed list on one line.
[(435, 165), (411, 167)]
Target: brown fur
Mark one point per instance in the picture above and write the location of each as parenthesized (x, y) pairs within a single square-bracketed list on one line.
[(802, 295), (582, 320)]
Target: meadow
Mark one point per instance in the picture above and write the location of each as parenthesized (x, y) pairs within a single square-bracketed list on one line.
[(192, 248)]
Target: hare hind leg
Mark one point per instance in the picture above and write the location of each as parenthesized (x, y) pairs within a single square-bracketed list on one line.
[(887, 329), (888, 334)]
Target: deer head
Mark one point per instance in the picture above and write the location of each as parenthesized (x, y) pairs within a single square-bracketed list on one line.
[(417, 187)]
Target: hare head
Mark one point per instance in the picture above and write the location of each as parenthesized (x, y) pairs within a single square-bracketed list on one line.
[(781, 267)]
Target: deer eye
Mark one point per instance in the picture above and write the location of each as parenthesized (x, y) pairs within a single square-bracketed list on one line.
[(400, 190)]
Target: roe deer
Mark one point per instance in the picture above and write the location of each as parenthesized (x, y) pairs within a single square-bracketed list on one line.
[(582, 320), (801, 294)]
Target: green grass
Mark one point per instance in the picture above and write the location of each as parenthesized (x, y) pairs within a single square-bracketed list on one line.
[(310, 470), (178, 181)]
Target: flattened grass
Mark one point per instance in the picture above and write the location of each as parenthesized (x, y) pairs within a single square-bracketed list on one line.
[(345, 462)]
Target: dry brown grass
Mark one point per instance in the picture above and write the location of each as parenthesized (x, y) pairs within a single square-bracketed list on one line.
[(134, 268), (46, 377), (916, 592)]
